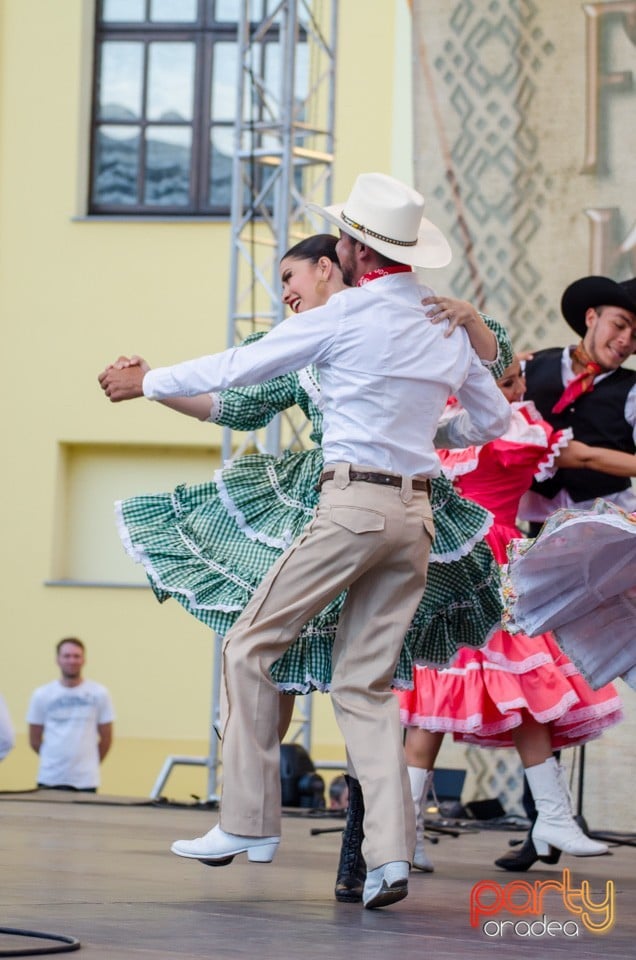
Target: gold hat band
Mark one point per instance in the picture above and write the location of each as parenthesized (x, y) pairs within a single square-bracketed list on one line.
[(378, 236)]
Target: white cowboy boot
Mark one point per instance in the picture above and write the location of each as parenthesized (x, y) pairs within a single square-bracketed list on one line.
[(555, 825), (219, 848), (421, 782)]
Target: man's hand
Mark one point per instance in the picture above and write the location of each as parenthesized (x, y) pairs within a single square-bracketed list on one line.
[(124, 384)]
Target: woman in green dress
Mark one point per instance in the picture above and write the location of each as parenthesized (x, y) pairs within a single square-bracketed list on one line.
[(209, 545)]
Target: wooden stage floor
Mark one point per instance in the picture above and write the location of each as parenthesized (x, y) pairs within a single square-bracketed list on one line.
[(102, 872)]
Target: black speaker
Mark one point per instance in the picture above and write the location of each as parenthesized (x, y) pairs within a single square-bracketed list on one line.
[(301, 786), (490, 809)]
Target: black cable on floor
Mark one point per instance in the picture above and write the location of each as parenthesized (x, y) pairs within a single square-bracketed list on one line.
[(67, 943)]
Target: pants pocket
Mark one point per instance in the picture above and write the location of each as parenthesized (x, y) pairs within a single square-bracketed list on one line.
[(429, 526), (357, 519)]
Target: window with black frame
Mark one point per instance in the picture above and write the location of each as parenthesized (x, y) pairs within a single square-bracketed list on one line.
[(165, 101)]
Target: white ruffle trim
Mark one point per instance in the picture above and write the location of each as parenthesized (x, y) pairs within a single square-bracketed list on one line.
[(522, 431), (465, 548), (139, 555), (280, 543), (459, 467), (216, 406), (308, 686), (589, 713), (547, 468), (421, 663), (124, 534), (308, 379), (474, 726), (497, 661), (311, 683)]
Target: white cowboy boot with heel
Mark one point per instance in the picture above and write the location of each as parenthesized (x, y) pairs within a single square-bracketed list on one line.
[(218, 848), (421, 782), (555, 826)]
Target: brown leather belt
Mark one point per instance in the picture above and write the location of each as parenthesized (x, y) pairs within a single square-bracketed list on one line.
[(386, 479)]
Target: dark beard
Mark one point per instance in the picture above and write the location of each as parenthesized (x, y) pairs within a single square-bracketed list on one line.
[(347, 276)]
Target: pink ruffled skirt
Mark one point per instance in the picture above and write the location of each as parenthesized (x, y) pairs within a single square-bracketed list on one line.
[(486, 693)]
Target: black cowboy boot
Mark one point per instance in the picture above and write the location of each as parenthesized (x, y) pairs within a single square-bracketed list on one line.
[(352, 870), (522, 858)]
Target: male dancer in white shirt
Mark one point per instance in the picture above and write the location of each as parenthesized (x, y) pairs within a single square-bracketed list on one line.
[(386, 373)]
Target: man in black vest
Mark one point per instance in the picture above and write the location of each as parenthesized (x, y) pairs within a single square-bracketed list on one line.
[(585, 388)]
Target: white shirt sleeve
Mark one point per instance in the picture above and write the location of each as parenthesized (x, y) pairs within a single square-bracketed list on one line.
[(630, 411), (293, 344), (485, 413)]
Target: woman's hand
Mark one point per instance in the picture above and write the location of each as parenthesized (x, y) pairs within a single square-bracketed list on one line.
[(459, 313), (524, 355), (135, 361)]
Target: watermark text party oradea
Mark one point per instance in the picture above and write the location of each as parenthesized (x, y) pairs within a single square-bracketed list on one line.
[(522, 899)]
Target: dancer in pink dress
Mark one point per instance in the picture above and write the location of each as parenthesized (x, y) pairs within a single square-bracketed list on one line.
[(516, 691)]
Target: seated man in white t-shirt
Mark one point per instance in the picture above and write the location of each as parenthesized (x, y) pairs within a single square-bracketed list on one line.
[(70, 724)]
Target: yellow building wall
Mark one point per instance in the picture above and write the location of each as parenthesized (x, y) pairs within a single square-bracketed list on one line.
[(74, 294)]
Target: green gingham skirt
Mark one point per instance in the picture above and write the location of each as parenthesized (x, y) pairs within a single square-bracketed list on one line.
[(209, 546)]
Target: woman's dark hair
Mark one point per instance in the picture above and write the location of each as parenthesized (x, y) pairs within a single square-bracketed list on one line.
[(313, 248)]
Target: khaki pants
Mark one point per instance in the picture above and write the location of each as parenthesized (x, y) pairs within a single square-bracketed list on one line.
[(375, 540)]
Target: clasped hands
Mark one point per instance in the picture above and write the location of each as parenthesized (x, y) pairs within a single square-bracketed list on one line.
[(123, 379)]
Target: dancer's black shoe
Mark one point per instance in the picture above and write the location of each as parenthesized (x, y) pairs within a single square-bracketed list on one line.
[(352, 870), (520, 859)]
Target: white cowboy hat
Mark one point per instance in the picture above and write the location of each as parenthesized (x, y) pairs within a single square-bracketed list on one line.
[(386, 215)]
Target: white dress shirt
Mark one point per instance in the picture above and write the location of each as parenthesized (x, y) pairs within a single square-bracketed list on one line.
[(386, 373)]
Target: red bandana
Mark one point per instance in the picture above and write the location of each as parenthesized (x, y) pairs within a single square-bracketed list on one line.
[(383, 272), (582, 383)]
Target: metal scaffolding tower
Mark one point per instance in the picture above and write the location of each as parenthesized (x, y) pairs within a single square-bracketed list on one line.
[(283, 157)]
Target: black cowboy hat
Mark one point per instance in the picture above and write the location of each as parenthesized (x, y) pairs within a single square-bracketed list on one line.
[(596, 292)]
